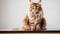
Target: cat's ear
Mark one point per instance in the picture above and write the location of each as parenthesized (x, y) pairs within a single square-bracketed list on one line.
[(39, 1), (30, 0)]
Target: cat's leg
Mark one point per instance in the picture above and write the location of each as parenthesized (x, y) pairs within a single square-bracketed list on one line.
[(43, 24), (26, 24), (38, 27)]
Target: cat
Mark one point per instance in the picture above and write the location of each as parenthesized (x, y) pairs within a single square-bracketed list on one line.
[(34, 20)]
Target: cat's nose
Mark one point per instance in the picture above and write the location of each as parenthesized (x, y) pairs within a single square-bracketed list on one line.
[(37, 12)]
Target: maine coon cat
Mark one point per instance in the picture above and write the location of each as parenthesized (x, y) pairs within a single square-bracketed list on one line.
[(34, 20)]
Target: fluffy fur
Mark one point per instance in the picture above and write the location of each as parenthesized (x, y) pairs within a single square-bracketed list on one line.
[(34, 21)]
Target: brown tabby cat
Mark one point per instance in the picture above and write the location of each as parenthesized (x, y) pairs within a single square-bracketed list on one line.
[(34, 21)]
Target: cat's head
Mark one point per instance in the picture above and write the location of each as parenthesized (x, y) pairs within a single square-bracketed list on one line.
[(35, 12), (35, 7)]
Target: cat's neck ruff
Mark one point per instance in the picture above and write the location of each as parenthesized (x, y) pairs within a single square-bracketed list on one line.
[(36, 19)]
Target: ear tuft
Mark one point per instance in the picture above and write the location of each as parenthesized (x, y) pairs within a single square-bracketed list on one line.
[(39, 1), (29, 0)]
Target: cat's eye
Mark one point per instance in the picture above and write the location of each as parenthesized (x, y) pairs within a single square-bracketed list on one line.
[(32, 7), (38, 7)]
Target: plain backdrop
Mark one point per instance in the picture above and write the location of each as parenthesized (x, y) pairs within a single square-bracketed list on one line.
[(12, 13)]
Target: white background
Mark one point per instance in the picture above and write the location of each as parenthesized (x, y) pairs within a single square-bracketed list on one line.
[(12, 13)]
